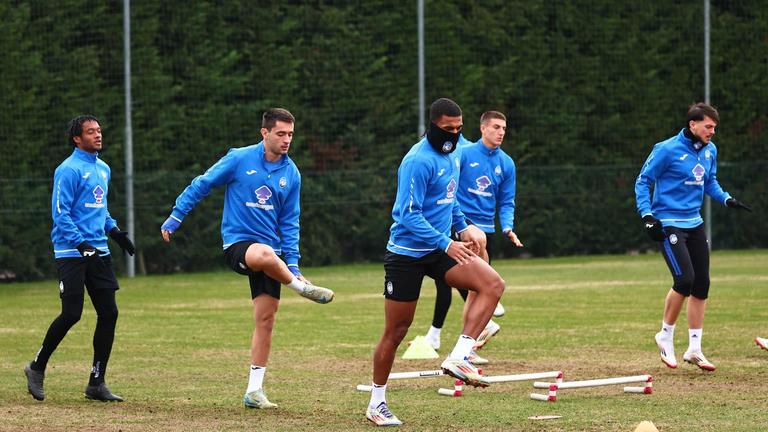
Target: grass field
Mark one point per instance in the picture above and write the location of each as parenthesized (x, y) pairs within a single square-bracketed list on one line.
[(181, 353)]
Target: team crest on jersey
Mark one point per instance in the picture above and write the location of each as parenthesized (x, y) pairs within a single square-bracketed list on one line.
[(673, 238), (698, 172), (98, 194), (283, 182), (263, 194), (497, 171), (482, 183), (707, 154)]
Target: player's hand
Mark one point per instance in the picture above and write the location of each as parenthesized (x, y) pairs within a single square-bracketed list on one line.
[(653, 228), (122, 240), (474, 236), (297, 273), (461, 252), (87, 250), (736, 204), (168, 227), (513, 238)]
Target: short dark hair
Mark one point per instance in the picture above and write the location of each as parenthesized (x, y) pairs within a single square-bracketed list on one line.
[(443, 107), (76, 126), (274, 115), (490, 115), (698, 111)]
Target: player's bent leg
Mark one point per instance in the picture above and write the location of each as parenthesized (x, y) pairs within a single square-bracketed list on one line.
[(488, 286), (260, 257)]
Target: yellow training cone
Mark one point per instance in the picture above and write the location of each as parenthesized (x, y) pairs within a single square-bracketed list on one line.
[(646, 426), (420, 349)]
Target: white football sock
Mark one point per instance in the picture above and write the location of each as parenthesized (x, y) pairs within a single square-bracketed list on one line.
[(378, 394), (463, 347), (667, 331), (256, 378), (694, 340), (296, 285), (433, 333)]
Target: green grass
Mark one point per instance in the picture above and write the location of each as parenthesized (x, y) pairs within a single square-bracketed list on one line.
[(182, 352)]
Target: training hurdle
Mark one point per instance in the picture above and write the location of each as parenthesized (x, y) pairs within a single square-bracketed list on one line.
[(405, 375), (554, 387), (458, 385)]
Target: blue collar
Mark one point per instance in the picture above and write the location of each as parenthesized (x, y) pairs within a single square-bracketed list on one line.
[(486, 150), (84, 155)]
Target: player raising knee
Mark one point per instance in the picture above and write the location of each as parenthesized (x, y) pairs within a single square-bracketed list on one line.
[(425, 209), (260, 221)]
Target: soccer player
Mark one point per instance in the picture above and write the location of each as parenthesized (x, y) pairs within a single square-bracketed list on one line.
[(487, 183), (680, 170), (425, 209), (81, 222), (259, 222)]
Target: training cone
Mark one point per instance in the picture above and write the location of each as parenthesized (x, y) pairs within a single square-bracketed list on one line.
[(646, 426), (420, 349)]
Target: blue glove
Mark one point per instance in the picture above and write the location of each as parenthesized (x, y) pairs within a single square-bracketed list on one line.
[(171, 224), (295, 270)]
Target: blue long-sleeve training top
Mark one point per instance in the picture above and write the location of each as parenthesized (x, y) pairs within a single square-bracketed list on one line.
[(487, 182), (679, 175), (425, 207), (79, 204), (261, 202)]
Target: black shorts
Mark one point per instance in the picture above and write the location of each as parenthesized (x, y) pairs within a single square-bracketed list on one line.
[(686, 252), (403, 274), (77, 273), (259, 281)]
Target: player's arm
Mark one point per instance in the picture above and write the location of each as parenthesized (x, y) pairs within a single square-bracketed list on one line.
[(412, 186), (219, 174), (652, 169), (713, 189), (506, 204), (288, 224), (64, 187)]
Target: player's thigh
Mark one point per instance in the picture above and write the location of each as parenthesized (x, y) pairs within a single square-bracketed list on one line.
[(675, 252), (477, 275)]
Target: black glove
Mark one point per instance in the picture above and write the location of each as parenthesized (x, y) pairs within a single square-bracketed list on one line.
[(653, 228), (87, 250), (121, 238), (736, 204)]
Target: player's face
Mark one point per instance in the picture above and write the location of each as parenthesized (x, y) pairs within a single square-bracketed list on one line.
[(703, 129), (493, 131), (277, 141), (90, 138), (450, 124)]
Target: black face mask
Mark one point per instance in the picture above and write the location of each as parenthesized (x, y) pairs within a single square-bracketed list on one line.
[(442, 140)]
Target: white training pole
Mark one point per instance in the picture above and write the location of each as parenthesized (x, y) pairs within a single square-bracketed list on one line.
[(595, 382), (526, 377), (364, 388), (417, 374)]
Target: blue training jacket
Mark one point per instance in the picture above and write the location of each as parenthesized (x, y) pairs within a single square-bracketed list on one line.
[(679, 175), (79, 204), (487, 181), (426, 206), (261, 202)]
